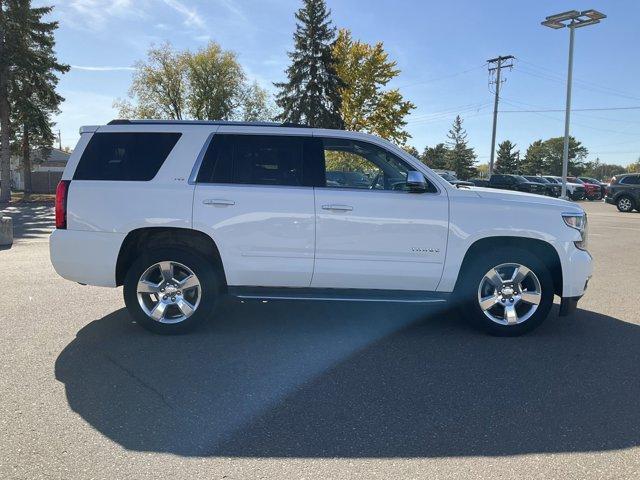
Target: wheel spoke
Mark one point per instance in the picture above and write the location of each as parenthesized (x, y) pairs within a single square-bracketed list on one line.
[(519, 274), (185, 307), (158, 311), (189, 282), (145, 286), (531, 297), (166, 268), (494, 278), (510, 314), (487, 302)]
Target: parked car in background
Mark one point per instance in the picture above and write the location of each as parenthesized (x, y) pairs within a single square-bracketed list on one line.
[(453, 180), (575, 191), (594, 181), (515, 182), (183, 213), (591, 190), (479, 182), (551, 189), (347, 179), (624, 192)]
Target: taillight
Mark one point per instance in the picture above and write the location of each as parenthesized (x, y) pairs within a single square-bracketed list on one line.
[(62, 192)]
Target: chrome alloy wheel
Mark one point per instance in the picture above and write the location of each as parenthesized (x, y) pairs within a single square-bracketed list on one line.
[(169, 292), (509, 294), (625, 204)]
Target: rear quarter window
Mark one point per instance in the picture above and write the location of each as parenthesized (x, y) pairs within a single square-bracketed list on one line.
[(132, 156)]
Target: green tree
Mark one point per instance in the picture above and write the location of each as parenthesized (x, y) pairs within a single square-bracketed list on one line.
[(435, 157), (411, 150), (28, 81), (159, 88), (209, 84), (32, 88), (365, 106), (311, 93), (460, 157), (256, 104), (534, 162), (554, 152), (508, 159), (215, 82), (634, 167)]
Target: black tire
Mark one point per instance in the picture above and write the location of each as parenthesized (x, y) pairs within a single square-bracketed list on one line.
[(625, 207), (467, 291), (210, 285)]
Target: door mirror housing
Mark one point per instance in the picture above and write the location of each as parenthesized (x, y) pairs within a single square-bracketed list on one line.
[(416, 182)]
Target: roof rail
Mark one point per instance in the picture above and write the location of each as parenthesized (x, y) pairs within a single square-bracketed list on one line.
[(205, 122)]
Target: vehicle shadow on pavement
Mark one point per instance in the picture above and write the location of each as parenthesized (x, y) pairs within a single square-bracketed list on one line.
[(345, 380)]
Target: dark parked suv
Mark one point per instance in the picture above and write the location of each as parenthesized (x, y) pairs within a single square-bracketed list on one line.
[(624, 192), (551, 189), (515, 182)]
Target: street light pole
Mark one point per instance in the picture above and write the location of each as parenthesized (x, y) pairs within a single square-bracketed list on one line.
[(567, 116), (571, 19)]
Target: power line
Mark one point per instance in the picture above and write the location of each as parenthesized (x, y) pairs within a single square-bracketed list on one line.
[(573, 109), (442, 77)]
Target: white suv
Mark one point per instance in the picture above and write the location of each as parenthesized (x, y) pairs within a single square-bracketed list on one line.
[(181, 213)]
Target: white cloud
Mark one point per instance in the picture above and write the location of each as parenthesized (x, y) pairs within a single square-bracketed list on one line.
[(191, 16), (95, 14), (101, 69)]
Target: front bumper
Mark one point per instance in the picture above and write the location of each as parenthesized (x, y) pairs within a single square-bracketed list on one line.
[(577, 268), (610, 200)]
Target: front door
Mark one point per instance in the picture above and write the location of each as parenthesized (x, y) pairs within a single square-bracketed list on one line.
[(254, 199), (370, 231)]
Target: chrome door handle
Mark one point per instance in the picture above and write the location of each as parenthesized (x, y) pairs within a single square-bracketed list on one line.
[(218, 201), (338, 208)]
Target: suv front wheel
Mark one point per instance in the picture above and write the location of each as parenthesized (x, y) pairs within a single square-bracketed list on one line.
[(171, 290), (507, 293)]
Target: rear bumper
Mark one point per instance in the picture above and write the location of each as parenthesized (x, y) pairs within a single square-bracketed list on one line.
[(86, 257)]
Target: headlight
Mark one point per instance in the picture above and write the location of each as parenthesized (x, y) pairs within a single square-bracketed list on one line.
[(579, 222)]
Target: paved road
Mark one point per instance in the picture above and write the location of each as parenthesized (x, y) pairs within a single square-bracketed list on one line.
[(292, 390)]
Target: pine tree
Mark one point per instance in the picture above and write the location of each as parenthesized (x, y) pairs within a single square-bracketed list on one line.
[(311, 93), (508, 160), (460, 157), (28, 81), (534, 159), (435, 157)]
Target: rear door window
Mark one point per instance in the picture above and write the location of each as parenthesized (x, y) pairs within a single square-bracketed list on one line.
[(132, 156), (259, 160)]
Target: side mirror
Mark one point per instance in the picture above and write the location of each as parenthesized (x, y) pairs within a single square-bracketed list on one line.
[(416, 182)]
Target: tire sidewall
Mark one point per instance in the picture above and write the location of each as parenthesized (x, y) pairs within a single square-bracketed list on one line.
[(201, 267), (478, 267)]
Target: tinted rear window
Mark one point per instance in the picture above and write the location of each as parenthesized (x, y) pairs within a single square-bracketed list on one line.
[(259, 160), (135, 156)]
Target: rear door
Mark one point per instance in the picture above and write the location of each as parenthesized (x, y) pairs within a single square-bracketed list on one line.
[(371, 233), (254, 197)]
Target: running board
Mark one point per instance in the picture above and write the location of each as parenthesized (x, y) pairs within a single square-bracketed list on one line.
[(337, 294)]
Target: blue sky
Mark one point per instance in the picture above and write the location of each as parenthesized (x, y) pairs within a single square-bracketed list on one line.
[(440, 46)]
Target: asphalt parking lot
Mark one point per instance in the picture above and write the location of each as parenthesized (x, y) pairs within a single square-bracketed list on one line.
[(322, 390)]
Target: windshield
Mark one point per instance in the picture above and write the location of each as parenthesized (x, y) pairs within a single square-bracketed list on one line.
[(520, 178), (537, 179), (448, 177)]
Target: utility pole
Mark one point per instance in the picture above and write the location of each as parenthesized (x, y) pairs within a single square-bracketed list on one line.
[(496, 65), (59, 140)]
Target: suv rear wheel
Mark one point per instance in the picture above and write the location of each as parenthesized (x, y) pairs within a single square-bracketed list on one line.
[(625, 204), (507, 293), (171, 290)]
